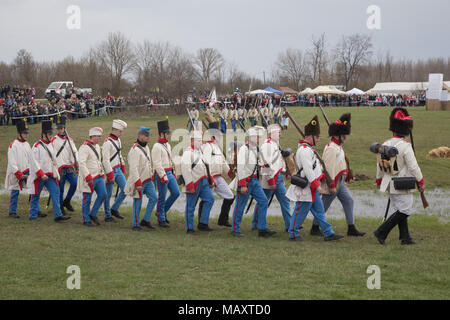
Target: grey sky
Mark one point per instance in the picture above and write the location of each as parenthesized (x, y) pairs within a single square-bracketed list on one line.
[(251, 33)]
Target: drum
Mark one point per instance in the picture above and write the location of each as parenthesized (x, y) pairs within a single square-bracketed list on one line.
[(290, 164)]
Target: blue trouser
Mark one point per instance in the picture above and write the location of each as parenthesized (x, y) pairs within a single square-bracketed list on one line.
[(207, 197), (100, 190), (252, 122), (276, 119), (67, 174), (121, 182), (233, 125), (280, 193), (13, 200), (163, 205), (254, 189), (223, 125), (301, 211), (148, 188), (346, 199), (53, 189)]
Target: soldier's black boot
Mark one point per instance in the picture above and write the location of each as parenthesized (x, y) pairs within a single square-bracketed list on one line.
[(353, 232), (315, 230), (404, 232), (147, 224), (62, 210), (382, 232), (224, 212), (116, 214), (67, 205), (203, 227), (200, 207)]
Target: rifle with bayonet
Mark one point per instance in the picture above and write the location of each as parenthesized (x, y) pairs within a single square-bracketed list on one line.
[(328, 179), (350, 174)]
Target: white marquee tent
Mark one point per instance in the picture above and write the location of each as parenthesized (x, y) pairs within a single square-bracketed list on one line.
[(398, 87), (355, 91), (326, 90), (306, 91)]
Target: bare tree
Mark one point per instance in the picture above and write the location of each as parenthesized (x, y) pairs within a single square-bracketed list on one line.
[(291, 64), (208, 61), (318, 59), (351, 52), (24, 67), (116, 54)]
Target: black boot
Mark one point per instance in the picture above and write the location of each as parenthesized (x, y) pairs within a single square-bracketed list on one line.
[(382, 232), (266, 233), (200, 207), (224, 212), (203, 227), (41, 215), (315, 230), (147, 224), (67, 205), (404, 232), (353, 232), (116, 214), (62, 210)]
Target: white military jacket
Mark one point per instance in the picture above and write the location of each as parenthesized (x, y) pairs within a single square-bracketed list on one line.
[(242, 113), (334, 159), (65, 157), (406, 164), (162, 159), (224, 114), (233, 114), (306, 160), (248, 159), (218, 165), (271, 155), (91, 166), (193, 168), (41, 163), (112, 159), (253, 113), (19, 153), (140, 167)]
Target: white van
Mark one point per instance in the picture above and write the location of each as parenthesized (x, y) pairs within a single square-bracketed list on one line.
[(59, 89)]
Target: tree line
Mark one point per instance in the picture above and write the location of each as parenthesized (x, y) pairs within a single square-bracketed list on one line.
[(148, 68)]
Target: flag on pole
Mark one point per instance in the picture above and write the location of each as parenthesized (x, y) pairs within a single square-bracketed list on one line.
[(212, 98)]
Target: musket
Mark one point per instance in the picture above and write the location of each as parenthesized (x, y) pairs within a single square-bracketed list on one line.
[(347, 162), (328, 179), (422, 194), (75, 164)]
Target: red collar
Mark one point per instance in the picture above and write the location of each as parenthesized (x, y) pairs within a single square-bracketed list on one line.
[(89, 141), (112, 136), (20, 140), (333, 139), (62, 137), (46, 142), (304, 142), (212, 141), (162, 140), (192, 147)]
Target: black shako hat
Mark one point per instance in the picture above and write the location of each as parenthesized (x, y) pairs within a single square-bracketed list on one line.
[(47, 126), (163, 126), (313, 127), (341, 127), (60, 122), (400, 121), (22, 126)]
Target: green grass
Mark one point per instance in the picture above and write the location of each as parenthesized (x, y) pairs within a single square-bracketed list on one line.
[(117, 263)]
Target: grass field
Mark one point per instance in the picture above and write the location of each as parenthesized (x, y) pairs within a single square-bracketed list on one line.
[(116, 263)]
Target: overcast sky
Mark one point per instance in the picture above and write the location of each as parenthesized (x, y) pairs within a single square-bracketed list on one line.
[(249, 32)]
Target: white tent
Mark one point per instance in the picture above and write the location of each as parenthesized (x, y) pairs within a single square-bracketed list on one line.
[(326, 90), (355, 91), (398, 87), (306, 91), (260, 91)]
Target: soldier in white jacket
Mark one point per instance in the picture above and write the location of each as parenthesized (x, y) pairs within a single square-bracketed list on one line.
[(247, 183), (197, 183), (92, 177), (219, 167), (272, 175), (308, 198), (334, 159), (18, 169), (66, 159), (403, 165), (44, 173), (233, 117), (164, 175), (115, 169), (139, 182), (223, 115)]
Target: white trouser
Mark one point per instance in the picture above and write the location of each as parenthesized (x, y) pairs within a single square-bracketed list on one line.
[(222, 189), (402, 203)]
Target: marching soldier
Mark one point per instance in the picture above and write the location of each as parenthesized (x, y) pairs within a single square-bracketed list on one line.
[(253, 115), (66, 159), (92, 177), (272, 173), (277, 114), (334, 159), (18, 170), (195, 116), (403, 165), (139, 181), (164, 175), (223, 115), (233, 117), (114, 168), (247, 183), (218, 166), (198, 183), (44, 173), (308, 198), (266, 114), (242, 114)]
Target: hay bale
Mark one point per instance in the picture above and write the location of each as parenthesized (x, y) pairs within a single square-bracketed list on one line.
[(433, 105), (441, 152)]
